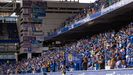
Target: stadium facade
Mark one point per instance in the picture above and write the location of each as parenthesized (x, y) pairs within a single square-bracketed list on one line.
[(49, 32)]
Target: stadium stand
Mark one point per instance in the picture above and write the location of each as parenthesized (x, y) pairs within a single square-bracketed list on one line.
[(107, 50), (97, 6), (112, 50), (8, 41)]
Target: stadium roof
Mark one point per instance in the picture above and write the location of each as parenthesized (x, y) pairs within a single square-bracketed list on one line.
[(9, 0), (80, 1)]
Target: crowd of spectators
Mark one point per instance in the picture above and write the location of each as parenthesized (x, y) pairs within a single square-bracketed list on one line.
[(98, 5), (109, 50), (48, 61)]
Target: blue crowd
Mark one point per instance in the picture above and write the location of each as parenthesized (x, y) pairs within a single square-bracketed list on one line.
[(109, 50)]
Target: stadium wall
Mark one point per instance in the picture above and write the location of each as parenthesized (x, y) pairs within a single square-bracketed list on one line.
[(100, 72), (90, 72)]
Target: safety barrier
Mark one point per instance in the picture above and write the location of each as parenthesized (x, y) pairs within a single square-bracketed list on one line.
[(90, 72), (98, 72)]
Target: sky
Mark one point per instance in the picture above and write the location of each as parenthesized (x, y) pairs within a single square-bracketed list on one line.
[(86, 1)]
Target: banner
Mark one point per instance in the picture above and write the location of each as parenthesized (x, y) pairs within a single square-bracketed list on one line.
[(38, 11), (97, 72)]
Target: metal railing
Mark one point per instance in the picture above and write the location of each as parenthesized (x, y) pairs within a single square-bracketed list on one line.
[(8, 19)]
